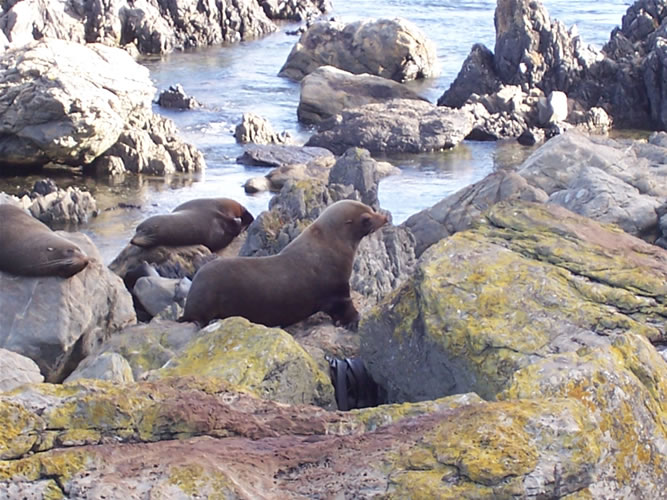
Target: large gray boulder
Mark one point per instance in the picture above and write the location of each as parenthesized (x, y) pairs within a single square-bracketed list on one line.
[(390, 48), (75, 104), (17, 370), (328, 90), (397, 126), (56, 322), (528, 281), (602, 179), (149, 26)]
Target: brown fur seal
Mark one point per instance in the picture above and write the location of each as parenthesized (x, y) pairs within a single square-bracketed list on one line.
[(213, 222), (29, 248), (310, 274)]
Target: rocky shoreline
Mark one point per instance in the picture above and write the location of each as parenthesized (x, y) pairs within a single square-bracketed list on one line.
[(517, 328)]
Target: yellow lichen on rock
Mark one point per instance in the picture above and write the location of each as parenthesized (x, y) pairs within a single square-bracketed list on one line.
[(195, 481), (267, 361), (19, 430), (624, 387), (497, 449), (61, 464)]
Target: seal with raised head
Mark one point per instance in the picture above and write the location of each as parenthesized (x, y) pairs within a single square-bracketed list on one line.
[(310, 274), (29, 248), (212, 222)]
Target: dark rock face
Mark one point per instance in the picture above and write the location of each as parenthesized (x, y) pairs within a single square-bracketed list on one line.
[(477, 76), (328, 90), (533, 52), (176, 98)]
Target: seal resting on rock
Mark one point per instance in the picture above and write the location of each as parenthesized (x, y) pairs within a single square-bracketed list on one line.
[(29, 248), (310, 274), (212, 222)]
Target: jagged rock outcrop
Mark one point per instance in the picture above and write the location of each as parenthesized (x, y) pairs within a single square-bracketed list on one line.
[(79, 105), (258, 130), (537, 54), (55, 206), (149, 26), (391, 48), (176, 98)]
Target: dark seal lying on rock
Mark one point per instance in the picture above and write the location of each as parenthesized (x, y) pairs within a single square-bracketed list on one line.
[(212, 222), (310, 274), (29, 248)]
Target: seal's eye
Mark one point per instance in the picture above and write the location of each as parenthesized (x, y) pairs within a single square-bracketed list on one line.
[(49, 249), (366, 221)]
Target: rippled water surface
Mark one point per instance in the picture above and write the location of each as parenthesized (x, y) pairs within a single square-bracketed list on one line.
[(231, 80)]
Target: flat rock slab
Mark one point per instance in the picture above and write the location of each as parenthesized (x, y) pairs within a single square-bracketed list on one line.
[(270, 155), (397, 126)]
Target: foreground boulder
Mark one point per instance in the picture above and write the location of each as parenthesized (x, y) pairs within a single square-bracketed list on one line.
[(529, 281), (391, 48), (57, 322), (397, 126), (328, 90), (192, 436), (85, 106), (265, 361)]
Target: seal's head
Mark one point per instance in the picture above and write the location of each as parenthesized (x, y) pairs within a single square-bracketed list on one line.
[(62, 260), (148, 232), (351, 220)]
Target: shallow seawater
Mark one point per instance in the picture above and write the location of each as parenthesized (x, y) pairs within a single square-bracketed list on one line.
[(231, 80)]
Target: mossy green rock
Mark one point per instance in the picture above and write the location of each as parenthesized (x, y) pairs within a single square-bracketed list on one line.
[(529, 281), (267, 361)]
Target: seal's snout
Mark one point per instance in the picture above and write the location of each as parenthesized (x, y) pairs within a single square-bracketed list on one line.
[(141, 240), (379, 220)]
